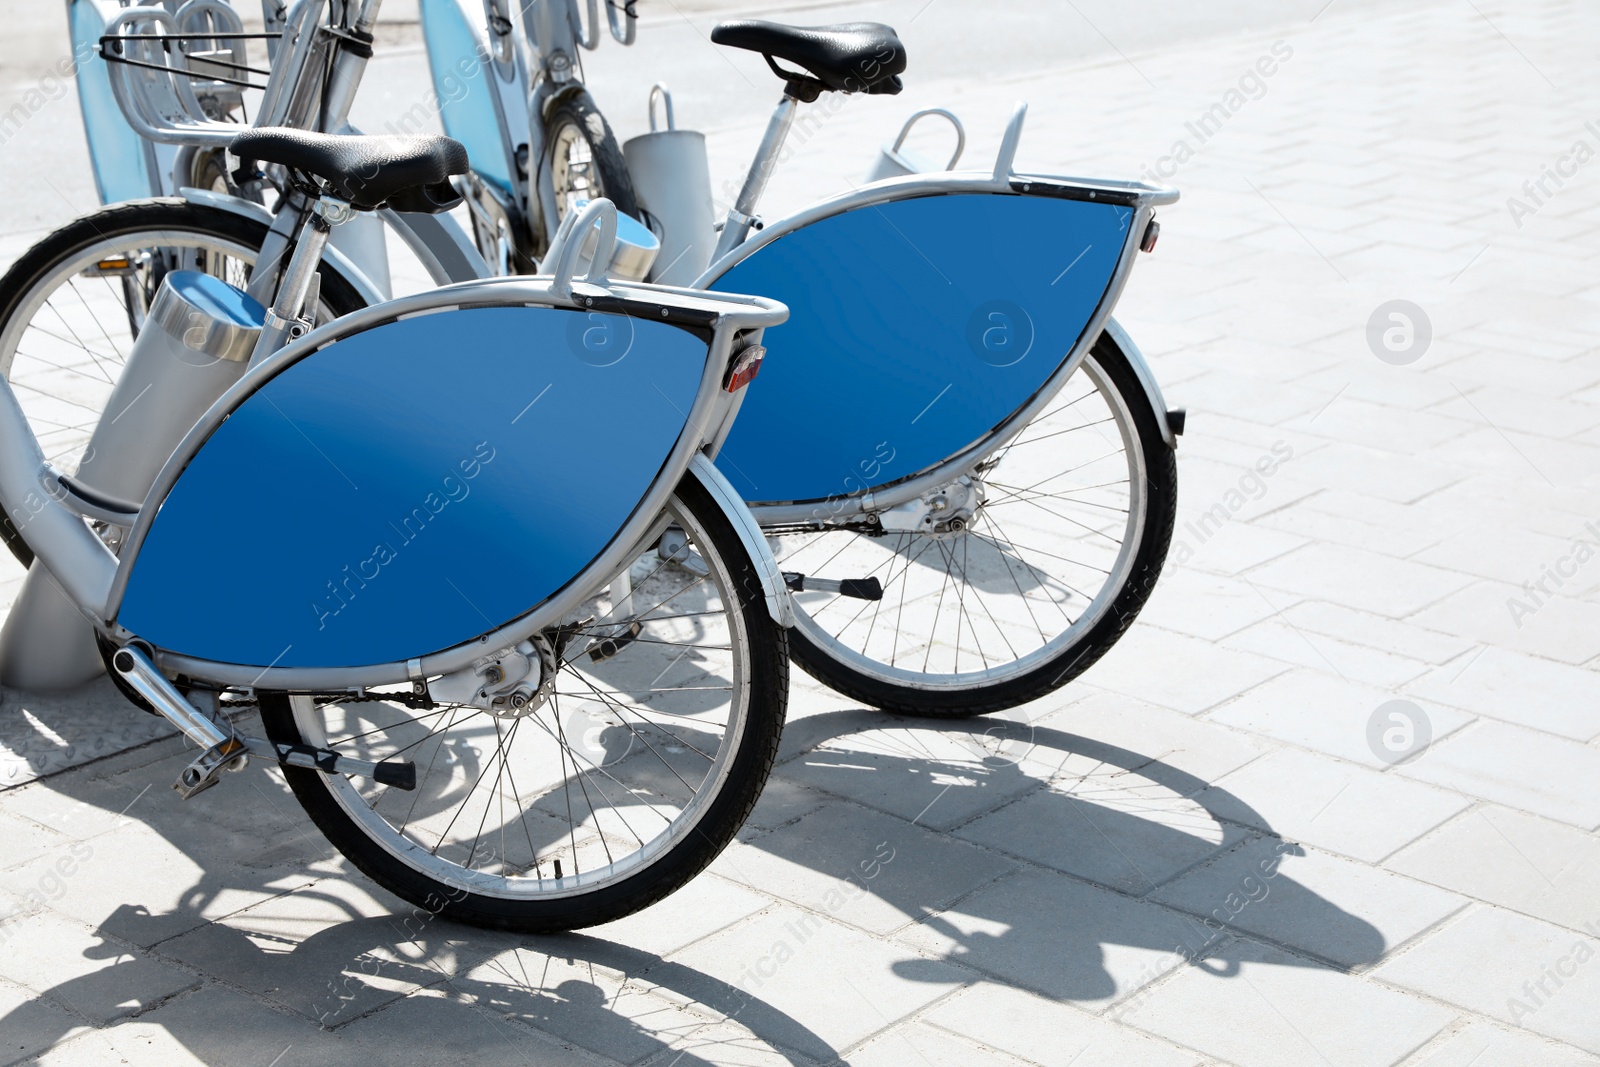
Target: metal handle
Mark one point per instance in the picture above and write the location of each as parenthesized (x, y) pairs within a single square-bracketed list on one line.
[(961, 133), (1008, 143), (566, 249), (629, 27), (660, 91)]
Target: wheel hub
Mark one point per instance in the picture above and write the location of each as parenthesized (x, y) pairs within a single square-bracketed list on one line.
[(510, 684), (944, 512)]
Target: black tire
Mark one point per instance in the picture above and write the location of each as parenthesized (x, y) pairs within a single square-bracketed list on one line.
[(130, 219), (1162, 485), (577, 110), (725, 814)]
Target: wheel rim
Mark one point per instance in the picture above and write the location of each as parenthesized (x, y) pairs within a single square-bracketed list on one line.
[(609, 775), (65, 345), (1040, 565), (575, 174)]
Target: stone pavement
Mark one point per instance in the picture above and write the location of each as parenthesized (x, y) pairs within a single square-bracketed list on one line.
[(1202, 852)]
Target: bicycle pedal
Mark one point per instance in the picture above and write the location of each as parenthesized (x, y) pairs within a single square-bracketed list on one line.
[(204, 770), (855, 588), (607, 647)]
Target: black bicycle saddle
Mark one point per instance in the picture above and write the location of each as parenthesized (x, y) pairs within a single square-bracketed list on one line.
[(851, 57), (410, 173)]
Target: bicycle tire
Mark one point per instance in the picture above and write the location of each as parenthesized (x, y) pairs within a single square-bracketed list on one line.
[(1069, 662), (661, 875), (578, 110)]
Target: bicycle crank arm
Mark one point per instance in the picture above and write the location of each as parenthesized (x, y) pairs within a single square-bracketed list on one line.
[(399, 775), (225, 750), (858, 588)]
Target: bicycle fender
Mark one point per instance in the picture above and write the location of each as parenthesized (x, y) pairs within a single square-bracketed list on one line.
[(1147, 377), (750, 535)]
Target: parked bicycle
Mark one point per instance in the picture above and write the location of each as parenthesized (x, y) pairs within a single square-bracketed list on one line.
[(964, 462), (481, 683)]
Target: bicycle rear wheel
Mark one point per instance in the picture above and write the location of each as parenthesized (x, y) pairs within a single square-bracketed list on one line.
[(1050, 570), (631, 769)]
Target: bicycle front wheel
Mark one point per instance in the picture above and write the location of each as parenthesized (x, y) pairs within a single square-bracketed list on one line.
[(584, 161), (72, 305), (1054, 564), (633, 766)]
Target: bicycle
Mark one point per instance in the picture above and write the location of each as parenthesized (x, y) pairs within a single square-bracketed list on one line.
[(511, 618), (965, 558)]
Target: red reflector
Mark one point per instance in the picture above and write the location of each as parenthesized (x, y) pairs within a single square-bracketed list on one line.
[(744, 368), (1152, 233)]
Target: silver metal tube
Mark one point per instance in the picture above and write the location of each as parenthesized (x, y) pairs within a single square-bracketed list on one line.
[(135, 668), (284, 314), (736, 227), (80, 562)]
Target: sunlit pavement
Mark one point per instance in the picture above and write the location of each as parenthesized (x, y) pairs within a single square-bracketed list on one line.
[(1331, 800)]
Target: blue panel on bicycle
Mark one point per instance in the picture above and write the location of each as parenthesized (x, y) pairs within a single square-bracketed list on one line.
[(116, 153), (412, 486), (916, 327), (462, 73)]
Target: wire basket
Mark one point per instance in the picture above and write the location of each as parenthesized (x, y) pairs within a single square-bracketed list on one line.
[(180, 77)]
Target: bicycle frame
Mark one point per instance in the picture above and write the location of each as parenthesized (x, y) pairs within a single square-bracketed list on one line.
[(494, 90)]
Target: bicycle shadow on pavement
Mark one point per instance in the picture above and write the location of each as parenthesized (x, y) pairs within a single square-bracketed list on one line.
[(1036, 857), (237, 885)]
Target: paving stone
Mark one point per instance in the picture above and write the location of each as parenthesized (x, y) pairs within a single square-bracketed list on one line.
[(863, 868), (825, 986), (1182, 753), (164, 893), (1481, 1044), (1120, 830), (44, 733), (1343, 912), (1522, 862), (1195, 675), (1358, 579), (1280, 639), (578, 1003), (919, 1043), (424, 1030), (331, 951), (1527, 690), (26, 840), (932, 777), (1519, 970), (728, 1043), (1050, 933), (1375, 631), (1320, 711), (1336, 806), (1048, 1033), (1519, 768), (701, 908), (1205, 606), (92, 976), (213, 1025), (1504, 616), (1270, 1008), (29, 1025)]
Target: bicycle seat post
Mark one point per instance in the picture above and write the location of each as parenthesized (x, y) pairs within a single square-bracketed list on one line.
[(741, 217), (289, 318)]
